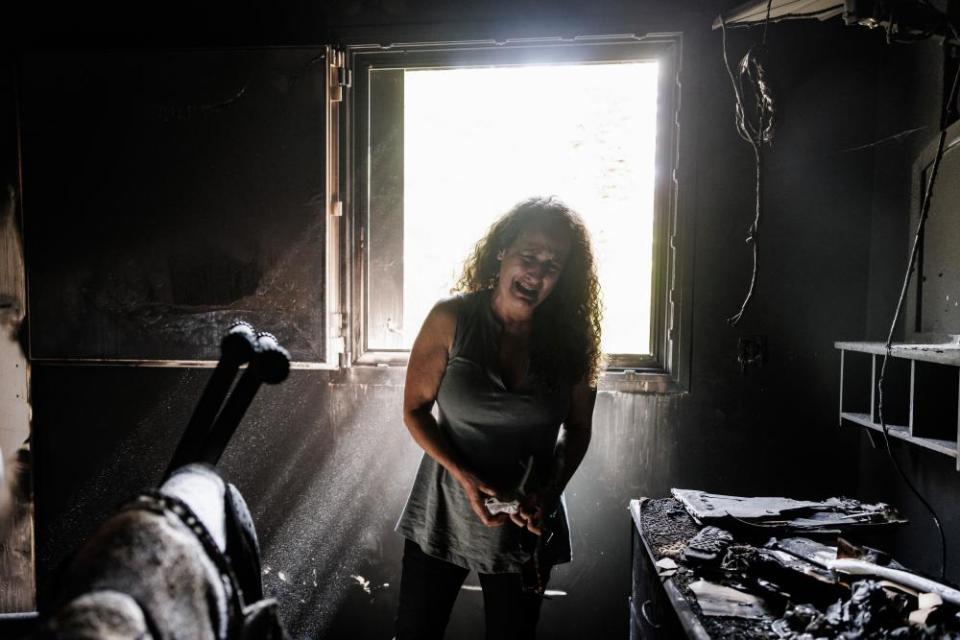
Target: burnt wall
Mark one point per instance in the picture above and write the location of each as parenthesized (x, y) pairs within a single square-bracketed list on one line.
[(171, 192), (909, 94), (324, 459)]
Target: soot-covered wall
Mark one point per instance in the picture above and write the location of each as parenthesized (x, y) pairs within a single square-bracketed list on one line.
[(910, 91), (171, 192), (324, 460)]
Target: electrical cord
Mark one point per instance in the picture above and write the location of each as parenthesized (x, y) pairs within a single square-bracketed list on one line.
[(756, 133), (921, 224)]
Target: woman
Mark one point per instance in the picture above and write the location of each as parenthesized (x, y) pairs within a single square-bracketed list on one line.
[(507, 361)]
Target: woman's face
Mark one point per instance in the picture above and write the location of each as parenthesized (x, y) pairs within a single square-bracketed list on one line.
[(532, 265)]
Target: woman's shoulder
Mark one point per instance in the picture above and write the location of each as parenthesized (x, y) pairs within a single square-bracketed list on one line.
[(449, 306), (446, 313), (455, 316), (457, 304)]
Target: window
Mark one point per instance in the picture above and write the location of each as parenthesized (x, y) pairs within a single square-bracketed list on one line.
[(448, 138)]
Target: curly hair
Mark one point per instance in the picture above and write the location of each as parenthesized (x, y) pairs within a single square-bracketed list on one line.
[(565, 339)]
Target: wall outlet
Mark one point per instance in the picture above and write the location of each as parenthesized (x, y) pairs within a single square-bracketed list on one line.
[(751, 351)]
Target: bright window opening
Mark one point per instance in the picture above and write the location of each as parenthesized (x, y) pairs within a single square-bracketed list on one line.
[(477, 140)]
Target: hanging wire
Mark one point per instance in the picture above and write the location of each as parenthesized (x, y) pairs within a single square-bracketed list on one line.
[(766, 21), (921, 225), (756, 132)]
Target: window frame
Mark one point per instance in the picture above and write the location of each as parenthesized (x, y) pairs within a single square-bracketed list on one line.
[(660, 371)]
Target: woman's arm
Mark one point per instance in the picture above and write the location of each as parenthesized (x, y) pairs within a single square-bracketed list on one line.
[(428, 361), (572, 444)]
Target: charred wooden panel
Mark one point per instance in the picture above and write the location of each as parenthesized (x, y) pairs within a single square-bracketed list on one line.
[(169, 193)]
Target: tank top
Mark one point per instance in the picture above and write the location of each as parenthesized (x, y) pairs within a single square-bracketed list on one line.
[(496, 431)]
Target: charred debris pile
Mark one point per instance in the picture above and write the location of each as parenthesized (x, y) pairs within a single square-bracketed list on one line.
[(781, 568)]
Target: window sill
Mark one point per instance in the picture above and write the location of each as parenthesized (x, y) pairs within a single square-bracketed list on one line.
[(628, 381), (640, 382)]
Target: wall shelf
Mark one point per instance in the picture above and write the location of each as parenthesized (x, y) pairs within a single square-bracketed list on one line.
[(947, 353), (921, 392)]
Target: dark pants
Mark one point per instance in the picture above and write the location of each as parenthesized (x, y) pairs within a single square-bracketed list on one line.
[(429, 587)]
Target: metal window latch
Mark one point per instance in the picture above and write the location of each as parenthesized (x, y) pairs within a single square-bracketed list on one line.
[(393, 327)]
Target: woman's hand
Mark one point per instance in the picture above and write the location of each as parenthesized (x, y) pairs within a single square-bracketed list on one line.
[(476, 492), (534, 508)]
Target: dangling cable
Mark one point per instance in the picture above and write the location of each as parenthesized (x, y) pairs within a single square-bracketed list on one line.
[(921, 224), (766, 22), (755, 133)]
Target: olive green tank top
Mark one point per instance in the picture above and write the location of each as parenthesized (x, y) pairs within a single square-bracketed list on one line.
[(496, 431)]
